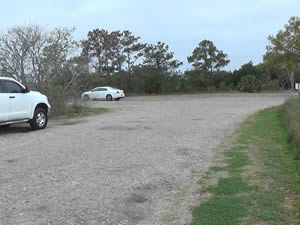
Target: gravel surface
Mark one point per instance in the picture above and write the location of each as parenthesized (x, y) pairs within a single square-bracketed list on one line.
[(137, 165)]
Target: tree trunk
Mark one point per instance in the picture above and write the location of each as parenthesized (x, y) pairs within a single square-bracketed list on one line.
[(292, 79)]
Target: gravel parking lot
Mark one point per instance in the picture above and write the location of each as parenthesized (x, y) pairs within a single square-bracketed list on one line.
[(139, 164)]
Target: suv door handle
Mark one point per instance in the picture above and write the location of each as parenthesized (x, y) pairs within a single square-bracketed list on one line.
[(12, 97)]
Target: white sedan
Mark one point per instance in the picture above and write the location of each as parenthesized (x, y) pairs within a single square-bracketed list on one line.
[(107, 93)]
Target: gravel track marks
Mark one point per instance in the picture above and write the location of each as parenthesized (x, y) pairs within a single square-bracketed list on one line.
[(137, 165)]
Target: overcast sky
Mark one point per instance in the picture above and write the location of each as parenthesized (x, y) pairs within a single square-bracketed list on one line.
[(238, 27)]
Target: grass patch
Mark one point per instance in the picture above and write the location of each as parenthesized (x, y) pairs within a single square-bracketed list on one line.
[(221, 210), (74, 112), (230, 186), (236, 160), (263, 174), (217, 168)]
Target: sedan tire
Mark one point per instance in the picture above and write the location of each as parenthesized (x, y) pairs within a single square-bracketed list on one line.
[(86, 98), (109, 98)]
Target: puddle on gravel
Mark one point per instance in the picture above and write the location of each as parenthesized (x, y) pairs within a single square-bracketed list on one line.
[(184, 152), (135, 215), (11, 160), (137, 198), (136, 207), (197, 119), (136, 121), (125, 128)]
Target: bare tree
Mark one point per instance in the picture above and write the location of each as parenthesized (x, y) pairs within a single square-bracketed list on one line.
[(15, 47), (40, 58)]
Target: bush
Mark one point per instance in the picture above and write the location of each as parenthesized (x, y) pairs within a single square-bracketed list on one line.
[(56, 99), (271, 85), (222, 80), (291, 116), (249, 83), (197, 81)]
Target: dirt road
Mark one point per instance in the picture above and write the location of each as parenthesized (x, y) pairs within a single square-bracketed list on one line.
[(137, 165)]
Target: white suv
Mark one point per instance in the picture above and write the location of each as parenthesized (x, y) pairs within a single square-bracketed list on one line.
[(19, 104)]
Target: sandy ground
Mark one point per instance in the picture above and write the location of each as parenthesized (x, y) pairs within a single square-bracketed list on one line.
[(137, 165)]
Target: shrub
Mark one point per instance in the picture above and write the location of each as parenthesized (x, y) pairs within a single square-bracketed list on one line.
[(291, 116), (249, 83), (271, 85)]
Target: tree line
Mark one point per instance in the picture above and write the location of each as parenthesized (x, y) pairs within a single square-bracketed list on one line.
[(59, 66)]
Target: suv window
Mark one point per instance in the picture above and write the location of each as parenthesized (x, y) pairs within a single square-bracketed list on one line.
[(12, 87), (1, 88)]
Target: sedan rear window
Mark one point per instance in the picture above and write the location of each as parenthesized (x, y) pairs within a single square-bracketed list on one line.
[(96, 89)]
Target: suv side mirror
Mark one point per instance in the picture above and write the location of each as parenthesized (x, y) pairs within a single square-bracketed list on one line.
[(26, 90)]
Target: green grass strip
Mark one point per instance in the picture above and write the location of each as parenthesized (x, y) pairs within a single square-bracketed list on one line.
[(261, 196)]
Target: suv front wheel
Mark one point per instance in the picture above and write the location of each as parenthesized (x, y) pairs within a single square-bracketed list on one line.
[(39, 120)]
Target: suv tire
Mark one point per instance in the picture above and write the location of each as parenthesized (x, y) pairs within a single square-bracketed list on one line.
[(39, 120)]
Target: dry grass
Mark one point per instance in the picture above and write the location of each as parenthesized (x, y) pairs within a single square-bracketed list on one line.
[(291, 116)]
